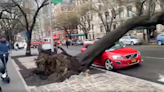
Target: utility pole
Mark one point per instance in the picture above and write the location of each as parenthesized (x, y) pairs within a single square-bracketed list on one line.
[(50, 15)]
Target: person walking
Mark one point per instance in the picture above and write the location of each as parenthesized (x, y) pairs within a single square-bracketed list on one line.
[(5, 47), (67, 43)]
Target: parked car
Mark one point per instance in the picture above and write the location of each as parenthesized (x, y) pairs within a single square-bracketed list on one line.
[(160, 39), (116, 57), (74, 42), (130, 40), (79, 42), (87, 41)]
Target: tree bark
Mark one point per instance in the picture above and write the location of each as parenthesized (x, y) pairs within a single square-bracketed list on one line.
[(86, 35), (28, 50), (87, 57)]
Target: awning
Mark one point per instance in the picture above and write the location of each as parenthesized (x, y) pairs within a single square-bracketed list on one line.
[(73, 35), (142, 27)]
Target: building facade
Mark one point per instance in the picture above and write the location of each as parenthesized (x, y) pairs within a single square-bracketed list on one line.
[(125, 12)]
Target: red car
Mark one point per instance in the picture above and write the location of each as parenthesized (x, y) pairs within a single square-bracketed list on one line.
[(116, 57)]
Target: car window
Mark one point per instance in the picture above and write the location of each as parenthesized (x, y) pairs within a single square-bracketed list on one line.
[(115, 47), (125, 37), (133, 37), (87, 45), (161, 35)]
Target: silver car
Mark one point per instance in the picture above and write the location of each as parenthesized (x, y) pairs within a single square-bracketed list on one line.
[(130, 40)]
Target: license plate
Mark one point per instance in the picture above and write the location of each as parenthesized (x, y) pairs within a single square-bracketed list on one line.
[(133, 61)]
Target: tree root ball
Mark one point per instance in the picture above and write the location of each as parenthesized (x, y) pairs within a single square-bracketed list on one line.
[(56, 67)]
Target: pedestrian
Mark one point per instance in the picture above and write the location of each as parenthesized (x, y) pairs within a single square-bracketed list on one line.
[(5, 47), (67, 43)]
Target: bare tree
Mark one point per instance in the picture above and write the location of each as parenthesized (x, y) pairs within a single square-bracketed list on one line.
[(29, 25), (66, 22), (107, 12), (85, 17)]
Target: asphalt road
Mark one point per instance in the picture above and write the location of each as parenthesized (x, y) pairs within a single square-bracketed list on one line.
[(152, 68)]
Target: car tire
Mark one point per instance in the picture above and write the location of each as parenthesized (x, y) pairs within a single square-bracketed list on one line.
[(131, 43), (159, 42), (109, 65)]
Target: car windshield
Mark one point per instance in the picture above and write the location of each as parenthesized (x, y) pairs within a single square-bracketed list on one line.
[(115, 47), (133, 37)]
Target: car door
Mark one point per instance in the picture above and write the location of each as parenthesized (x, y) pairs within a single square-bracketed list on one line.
[(125, 40), (128, 40)]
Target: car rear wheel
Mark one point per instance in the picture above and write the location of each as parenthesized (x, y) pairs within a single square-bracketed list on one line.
[(159, 42), (132, 43), (108, 65)]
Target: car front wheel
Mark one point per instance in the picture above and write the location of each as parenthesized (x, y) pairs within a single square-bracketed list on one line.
[(108, 65), (159, 42)]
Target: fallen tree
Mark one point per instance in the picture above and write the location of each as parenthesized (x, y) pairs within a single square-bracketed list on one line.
[(61, 66)]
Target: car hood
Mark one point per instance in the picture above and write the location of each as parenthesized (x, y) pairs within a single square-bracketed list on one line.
[(123, 51)]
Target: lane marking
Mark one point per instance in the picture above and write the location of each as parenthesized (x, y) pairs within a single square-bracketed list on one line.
[(152, 57)]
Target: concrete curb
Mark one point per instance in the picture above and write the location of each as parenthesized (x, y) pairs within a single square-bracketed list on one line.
[(17, 69)]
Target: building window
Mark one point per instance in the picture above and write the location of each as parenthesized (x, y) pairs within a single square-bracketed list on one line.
[(92, 27), (101, 28), (114, 26), (107, 15), (129, 11), (89, 36), (121, 14), (73, 9), (65, 8), (100, 7), (93, 36)]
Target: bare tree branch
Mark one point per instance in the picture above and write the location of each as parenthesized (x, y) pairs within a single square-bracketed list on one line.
[(24, 14), (37, 3), (44, 3), (14, 19)]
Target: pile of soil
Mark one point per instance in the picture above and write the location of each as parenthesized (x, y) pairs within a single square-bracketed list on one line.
[(56, 66)]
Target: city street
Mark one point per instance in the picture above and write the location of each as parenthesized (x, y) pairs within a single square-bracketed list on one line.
[(152, 68)]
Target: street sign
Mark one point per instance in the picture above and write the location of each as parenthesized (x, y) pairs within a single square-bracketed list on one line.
[(56, 1)]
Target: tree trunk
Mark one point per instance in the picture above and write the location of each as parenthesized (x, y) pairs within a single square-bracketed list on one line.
[(28, 50), (87, 57), (86, 36)]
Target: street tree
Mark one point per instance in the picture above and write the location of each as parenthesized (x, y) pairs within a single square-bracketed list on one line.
[(67, 65), (107, 12), (28, 21), (84, 17), (11, 24), (67, 22)]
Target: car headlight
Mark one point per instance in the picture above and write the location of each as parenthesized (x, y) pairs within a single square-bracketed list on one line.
[(117, 57)]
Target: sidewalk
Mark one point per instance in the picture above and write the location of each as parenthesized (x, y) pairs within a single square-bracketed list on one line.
[(106, 81), (16, 84)]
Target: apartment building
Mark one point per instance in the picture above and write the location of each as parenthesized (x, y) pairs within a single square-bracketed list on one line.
[(124, 12)]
